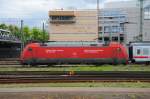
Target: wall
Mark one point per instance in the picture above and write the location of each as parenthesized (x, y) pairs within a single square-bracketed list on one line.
[(84, 28)]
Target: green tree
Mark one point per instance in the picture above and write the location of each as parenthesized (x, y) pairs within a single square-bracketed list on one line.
[(46, 36), (11, 29), (33, 34), (27, 34), (14, 30), (3, 26), (17, 32), (38, 35)]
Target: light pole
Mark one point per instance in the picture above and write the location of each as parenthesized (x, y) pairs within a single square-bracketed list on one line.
[(22, 36), (98, 17), (141, 19), (43, 28)]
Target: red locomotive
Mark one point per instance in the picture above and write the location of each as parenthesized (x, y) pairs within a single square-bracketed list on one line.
[(83, 53)]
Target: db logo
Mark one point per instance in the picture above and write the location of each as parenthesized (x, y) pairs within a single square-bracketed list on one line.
[(74, 54)]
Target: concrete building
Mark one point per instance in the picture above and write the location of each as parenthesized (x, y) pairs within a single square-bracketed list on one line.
[(120, 24), (118, 21), (115, 24), (122, 4), (74, 25), (146, 23), (111, 27), (133, 26)]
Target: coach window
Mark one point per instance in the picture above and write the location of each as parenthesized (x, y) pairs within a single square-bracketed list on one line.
[(145, 51), (138, 51)]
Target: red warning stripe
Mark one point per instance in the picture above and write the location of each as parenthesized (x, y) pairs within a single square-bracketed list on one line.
[(141, 56)]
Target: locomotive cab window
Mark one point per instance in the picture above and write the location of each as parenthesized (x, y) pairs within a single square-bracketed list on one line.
[(29, 49)]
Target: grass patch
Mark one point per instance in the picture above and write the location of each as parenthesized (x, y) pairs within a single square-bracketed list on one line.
[(81, 68), (115, 85)]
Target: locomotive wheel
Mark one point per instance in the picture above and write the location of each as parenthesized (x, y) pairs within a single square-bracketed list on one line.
[(50, 65), (115, 61), (33, 65), (125, 64)]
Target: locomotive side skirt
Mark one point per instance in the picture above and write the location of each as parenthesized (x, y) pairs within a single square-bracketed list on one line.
[(75, 61)]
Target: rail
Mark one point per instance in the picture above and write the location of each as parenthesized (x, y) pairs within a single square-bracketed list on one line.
[(9, 61), (72, 76)]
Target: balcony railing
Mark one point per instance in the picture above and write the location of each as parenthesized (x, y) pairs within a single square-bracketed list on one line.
[(63, 21), (7, 36)]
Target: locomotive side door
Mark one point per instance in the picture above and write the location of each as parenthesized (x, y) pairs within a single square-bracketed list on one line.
[(31, 55), (115, 55), (140, 53), (137, 52)]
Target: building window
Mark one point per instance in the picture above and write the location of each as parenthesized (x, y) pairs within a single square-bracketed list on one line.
[(147, 13), (114, 38), (100, 32), (61, 18), (100, 29), (54, 19), (112, 29), (121, 39), (100, 38), (115, 29), (106, 39), (107, 29)]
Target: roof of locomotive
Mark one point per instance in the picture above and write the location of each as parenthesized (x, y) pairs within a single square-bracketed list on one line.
[(144, 43), (74, 44)]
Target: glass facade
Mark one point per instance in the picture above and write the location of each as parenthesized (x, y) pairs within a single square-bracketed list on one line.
[(147, 12), (112, 25)]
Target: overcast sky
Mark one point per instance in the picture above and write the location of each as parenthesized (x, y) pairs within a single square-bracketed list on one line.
[(39, 8)]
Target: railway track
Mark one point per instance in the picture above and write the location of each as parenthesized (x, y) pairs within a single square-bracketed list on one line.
[(16, 62), (9, 61), (53, 77)]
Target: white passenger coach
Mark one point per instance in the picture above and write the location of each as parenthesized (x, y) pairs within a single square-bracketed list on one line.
[(139, 52)]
